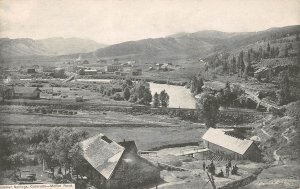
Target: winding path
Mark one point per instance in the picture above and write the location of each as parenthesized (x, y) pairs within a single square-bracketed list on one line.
[(284, 135)]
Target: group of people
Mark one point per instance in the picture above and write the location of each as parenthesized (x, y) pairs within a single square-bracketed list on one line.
[(211, 169)]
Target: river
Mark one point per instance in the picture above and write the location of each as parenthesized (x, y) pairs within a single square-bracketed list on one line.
[(179, 96)]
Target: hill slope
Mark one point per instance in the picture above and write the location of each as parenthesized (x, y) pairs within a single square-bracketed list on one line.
[(62, 46), (10, 48), (198, 44)]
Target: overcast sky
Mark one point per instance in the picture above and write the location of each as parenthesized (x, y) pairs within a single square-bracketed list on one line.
[(113, 21)]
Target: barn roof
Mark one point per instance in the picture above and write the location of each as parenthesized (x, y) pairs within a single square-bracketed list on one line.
[(218, 137), (102, 153), (214, 85), (24, 90)]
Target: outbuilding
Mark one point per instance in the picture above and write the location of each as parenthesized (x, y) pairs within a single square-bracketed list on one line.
[(26, 92), (231, 147), (111, 166)]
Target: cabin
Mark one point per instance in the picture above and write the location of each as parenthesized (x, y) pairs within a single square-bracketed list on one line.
[(113, 68), (7, 92), (112, 166), (230, 146), (26, 92), (30, 70)]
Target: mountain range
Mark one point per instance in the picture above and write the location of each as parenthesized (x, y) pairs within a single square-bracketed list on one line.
[(22, 47), (180, 45)]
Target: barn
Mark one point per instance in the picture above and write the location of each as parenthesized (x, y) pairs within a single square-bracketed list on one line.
[(231, 147), (26, 92), (111, 166)]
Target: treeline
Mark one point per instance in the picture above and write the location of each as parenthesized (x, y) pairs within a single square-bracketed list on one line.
[(241, 64), (135, 92), (57, 147), (119, 89)]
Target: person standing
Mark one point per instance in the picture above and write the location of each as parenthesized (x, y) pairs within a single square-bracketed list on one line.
[(227, 170), (229, 164), (203, 165)]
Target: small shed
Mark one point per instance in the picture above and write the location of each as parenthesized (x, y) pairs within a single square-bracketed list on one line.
[(111, 166), (27, 92), (229, 146)]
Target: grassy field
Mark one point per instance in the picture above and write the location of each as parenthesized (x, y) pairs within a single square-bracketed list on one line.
[(145, 137)]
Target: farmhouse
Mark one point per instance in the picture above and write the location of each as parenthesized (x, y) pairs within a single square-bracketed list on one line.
[(26, 92), (111, 166), (113, 68), (231, 147)]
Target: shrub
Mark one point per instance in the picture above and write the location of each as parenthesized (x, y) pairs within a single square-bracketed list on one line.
[(117, 96)]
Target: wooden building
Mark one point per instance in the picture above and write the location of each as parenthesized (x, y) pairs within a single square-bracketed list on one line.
[(26, 92), (111, 166), (112, 68), (231, 147)]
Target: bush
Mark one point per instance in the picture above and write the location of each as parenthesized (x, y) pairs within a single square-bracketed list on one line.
[(117, 96)]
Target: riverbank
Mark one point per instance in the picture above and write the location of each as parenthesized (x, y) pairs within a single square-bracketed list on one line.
[(135, 78)]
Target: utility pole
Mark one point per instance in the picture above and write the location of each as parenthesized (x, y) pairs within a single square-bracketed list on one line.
[(212, 181)]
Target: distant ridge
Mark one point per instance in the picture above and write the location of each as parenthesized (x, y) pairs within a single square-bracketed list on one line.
[(11, 48), (177, 46)]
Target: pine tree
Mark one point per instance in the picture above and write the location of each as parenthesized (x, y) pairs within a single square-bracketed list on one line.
[(156, 102), (297, 37), (126, 93), (268, 47), (164, 98), (284, 91), (210, 109), (286, 51), (233, 65)]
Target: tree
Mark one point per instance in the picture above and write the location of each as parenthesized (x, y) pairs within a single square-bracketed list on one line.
[(56, 150), (79, 164), (284, 91), (156, 102), (286, 51), (233, 65), (164, 98), (268, 47), (210, 109), (196, 84), (241, 63), (126, 93), (141, 94)]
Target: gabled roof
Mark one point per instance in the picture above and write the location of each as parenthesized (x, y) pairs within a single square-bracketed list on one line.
[(25, 90), (218, 137), (214, 85), (102, 153)]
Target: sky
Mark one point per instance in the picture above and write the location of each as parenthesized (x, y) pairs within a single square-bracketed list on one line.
[(115, 21)]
